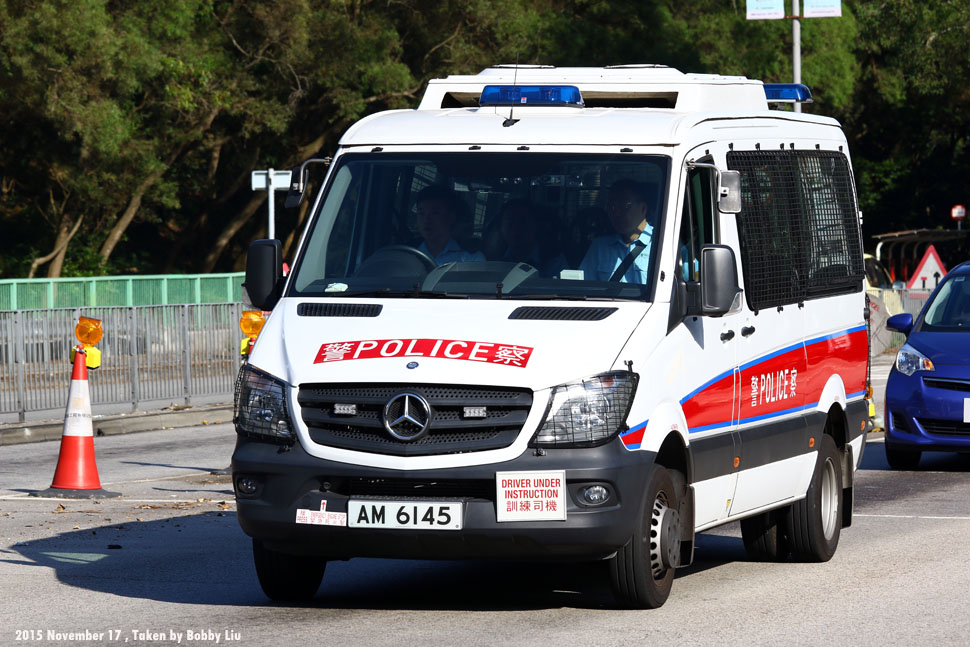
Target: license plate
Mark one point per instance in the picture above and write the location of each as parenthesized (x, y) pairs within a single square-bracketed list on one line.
[(410, 515)]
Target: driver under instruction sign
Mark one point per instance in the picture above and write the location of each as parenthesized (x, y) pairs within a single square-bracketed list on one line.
[(531, 496)]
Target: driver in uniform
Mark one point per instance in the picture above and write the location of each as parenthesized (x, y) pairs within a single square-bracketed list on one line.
[(436, 216)]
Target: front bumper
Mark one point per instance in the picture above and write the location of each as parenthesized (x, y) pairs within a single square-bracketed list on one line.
[(925, 411), (292, 479)]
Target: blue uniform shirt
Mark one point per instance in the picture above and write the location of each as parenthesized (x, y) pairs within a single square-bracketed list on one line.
[(606, 253)]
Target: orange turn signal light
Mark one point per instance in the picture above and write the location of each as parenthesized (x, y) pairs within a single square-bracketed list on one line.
[(251, 322), (811, 442)]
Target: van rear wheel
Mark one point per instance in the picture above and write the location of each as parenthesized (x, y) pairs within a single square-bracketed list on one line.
[(815, 522), (285, 577), (765, 537), (642, 571)]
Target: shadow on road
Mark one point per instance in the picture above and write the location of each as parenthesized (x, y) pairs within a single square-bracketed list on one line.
[(206, 559), (875, 459)]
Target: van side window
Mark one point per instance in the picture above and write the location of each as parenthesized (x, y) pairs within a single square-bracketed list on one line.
[(799, 227), (697, 226)]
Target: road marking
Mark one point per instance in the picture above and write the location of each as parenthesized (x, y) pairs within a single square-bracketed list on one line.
[(907, 516)]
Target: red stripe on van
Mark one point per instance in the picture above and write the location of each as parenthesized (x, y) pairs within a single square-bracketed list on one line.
[(783, 382)]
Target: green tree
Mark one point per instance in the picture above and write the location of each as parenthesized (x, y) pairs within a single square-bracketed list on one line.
[(129, 129)]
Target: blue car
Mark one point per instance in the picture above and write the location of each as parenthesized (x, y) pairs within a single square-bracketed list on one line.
[(928, 393)]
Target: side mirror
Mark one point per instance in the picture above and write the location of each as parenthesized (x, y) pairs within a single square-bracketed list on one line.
[(729, 191), (298, 186), (901, 323), (299, 182), (718, 292), (264, 273)]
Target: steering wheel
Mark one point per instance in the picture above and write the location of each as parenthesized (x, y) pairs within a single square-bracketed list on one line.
[(400, 260)]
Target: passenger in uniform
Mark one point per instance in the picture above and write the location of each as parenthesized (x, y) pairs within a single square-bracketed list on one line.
[(625, 254), (437, 211)]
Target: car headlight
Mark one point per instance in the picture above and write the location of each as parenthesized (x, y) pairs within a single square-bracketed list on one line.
[(260, 407), (909, 360), (589, 412)]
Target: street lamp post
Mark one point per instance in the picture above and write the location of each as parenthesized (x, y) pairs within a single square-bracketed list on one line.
[(271, 181)]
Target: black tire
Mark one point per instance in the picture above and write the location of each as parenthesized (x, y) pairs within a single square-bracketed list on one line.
[(638, 573), (287, 578), (815, 522), (765, 536), (902, 459)]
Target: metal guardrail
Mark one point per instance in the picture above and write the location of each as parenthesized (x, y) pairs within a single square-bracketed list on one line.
[(161, 289), (174, 353)]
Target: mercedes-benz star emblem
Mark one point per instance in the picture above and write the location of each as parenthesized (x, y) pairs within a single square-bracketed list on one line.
[(407, 416)]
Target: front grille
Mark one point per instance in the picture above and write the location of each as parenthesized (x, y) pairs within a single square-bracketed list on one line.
[(944, 427), (543, 313), (339, 309), (948, 384), (449, 431)]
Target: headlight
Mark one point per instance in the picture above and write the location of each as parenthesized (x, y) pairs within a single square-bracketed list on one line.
[(260, 407), (587, 413), (909, 360)]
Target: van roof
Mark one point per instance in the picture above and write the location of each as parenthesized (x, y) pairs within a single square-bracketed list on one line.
[(622, 86), (624, 105)]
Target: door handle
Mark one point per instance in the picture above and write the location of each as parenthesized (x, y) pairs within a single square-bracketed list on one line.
[(747, 330), (727, 335)]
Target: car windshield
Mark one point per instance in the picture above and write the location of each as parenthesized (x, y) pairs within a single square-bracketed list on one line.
[(486, 225), (950, 308)]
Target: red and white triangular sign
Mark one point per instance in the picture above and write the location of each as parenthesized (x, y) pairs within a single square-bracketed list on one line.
[(929, 272)]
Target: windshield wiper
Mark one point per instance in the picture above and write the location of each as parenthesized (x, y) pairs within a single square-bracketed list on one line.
[(396, 292), (562, 297), (546, 297)]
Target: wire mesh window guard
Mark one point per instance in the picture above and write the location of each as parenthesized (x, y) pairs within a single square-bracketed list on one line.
[(799, 226)]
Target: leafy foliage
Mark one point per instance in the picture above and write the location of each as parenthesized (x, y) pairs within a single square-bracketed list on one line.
[(135, 125)]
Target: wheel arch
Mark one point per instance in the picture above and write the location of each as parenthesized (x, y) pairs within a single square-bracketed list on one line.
[(666, 435), (673, 455), (833, 395)]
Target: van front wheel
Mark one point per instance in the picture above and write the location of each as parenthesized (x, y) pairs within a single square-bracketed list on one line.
[(642, 571), (287, 578)]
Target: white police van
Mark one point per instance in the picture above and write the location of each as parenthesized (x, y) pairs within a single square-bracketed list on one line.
[(474, 357)]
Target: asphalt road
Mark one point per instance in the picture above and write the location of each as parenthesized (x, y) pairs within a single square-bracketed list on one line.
[(167, 562)]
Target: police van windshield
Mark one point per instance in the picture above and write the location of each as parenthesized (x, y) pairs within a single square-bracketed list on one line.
[(487, 225)]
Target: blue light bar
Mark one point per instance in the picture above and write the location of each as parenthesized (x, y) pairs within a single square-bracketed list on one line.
[(787, 93), (531, 95)]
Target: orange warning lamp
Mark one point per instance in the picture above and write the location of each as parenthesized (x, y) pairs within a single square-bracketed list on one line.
[(251, 322), (89, 332)]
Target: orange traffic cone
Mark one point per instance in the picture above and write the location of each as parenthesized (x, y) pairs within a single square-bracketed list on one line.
[(76, 476)]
